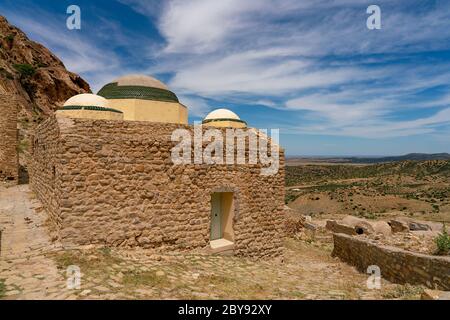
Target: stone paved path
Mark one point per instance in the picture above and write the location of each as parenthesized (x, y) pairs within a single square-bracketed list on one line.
[(31, 267), (26, 271)]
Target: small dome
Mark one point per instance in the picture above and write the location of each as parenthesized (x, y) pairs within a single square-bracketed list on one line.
[(224, 118), (140, 80), (222, 114), (87, 100)]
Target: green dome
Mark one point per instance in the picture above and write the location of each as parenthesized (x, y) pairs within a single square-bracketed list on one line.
[(138, 87)]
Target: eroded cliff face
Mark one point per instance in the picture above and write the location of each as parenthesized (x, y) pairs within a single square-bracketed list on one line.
[(36, 76)]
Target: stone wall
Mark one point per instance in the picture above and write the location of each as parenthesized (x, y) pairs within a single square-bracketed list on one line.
[(9, 160), (43, 166), (397, 265), (114, 183)]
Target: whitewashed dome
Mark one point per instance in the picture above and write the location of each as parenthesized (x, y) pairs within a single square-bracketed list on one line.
[(140, 80), (222, 114), (87, 100)]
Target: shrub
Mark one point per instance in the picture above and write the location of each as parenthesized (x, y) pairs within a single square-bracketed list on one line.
[(443, 242), (10, 37), (25, 70)]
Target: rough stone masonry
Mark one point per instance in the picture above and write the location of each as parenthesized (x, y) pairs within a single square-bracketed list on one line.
[(396, 265), (9, 160), (113, 183)]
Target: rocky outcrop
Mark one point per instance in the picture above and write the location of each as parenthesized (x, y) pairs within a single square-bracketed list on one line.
[(35, 76)]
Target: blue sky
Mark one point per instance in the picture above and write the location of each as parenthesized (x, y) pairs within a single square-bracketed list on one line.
[(310, 68)]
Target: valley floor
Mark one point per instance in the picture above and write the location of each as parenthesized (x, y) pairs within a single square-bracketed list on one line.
[(32, 267)]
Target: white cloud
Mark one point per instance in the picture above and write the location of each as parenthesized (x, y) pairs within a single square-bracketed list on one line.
[(197, 107), (317, 56)]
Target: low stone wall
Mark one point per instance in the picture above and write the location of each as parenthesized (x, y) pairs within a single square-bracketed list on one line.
[(113, 183), (397, 265), (9, 160)]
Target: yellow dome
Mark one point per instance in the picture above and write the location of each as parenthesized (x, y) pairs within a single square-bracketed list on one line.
[(222, 114), (87, 100), (140, 80), (144, 98)]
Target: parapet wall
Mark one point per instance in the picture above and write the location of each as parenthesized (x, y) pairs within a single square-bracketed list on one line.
[(397, 265), (114, 183), (9, 160)]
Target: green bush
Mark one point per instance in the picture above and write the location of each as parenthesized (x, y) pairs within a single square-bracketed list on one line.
[(25, 70), (443, 242), (10, 37)]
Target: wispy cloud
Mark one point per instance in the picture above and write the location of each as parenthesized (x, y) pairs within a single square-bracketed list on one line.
[(318, 56), (313, 59)]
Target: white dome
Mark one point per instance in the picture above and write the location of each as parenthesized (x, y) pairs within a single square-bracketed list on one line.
[(140, 80), (222, 114), (87, 100)]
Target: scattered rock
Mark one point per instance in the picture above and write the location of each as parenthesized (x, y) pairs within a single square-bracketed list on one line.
[(417, 226), (382, 227), (429, 294), (85, 292), (398, 226), (336, 227), (361, 226)]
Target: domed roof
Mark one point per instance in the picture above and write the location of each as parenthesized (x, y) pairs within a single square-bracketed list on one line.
[(222, 114), (140, 80), (87, 100), (135, 86)]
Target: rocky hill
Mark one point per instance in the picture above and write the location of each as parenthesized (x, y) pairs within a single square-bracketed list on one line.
[(318, 172), (35, 75)]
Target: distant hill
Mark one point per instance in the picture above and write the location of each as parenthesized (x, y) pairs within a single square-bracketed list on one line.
[(407, 157), (298, 160), (297, 174)]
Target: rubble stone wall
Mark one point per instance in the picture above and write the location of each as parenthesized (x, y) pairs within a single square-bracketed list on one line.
[(397, 265), (9, 160), (43, 167), (115, 184)]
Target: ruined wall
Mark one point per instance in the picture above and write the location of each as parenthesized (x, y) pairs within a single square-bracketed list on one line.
[(9, 160), (43, 168), (396, 265), (117, 186)]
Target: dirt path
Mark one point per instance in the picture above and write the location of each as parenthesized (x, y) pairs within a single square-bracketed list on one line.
[(25, 270)]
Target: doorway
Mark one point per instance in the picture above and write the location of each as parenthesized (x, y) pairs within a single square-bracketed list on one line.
[(222, 213), (216, 216)]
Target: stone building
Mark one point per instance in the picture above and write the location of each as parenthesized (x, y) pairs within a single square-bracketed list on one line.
[(114, 182), (9, 159)]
